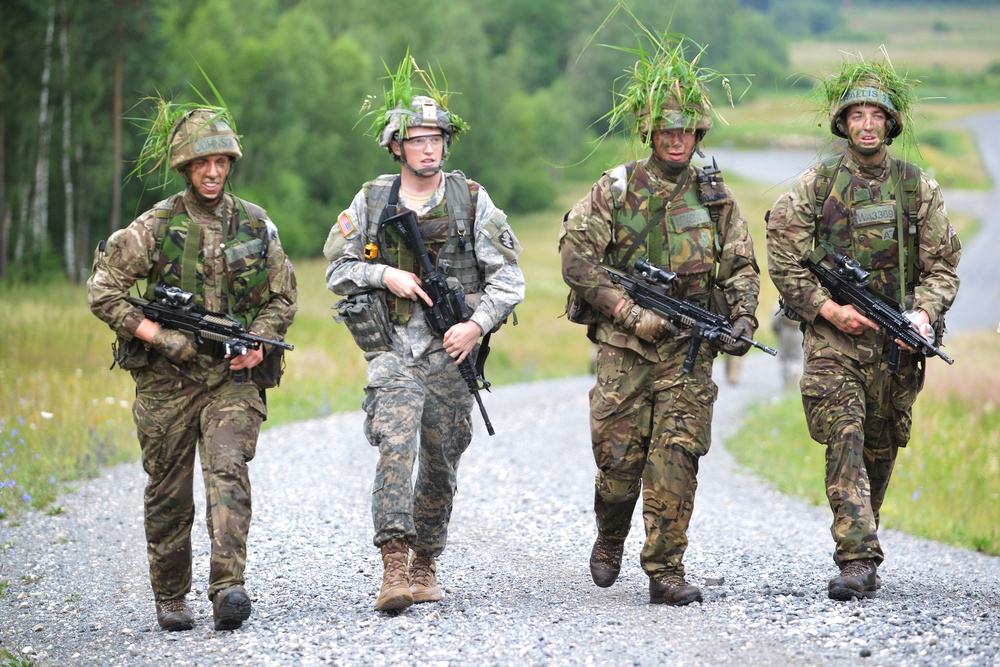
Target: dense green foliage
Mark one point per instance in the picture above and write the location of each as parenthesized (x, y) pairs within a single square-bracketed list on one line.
[(295, 75)]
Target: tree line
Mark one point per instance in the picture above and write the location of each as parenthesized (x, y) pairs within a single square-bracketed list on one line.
[(76, 76)]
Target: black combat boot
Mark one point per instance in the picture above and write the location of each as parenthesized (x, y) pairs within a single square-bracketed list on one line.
[(672, 589), (606, 560), (858, 579), (231, 607)]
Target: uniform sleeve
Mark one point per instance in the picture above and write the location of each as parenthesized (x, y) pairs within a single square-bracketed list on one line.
[(790, 230), (276, 316), (583, 241), (348, 272), (497, 251), (938, 253), (126, 258), (739, 276)]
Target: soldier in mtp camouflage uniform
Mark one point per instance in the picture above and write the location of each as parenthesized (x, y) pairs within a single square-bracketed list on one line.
[(418, 406), (890, 217), (650, 421), (226, 252)]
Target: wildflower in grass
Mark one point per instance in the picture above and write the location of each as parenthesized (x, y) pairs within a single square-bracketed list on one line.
[(46, 415), (26, 498), (916, 494), (52, 480)]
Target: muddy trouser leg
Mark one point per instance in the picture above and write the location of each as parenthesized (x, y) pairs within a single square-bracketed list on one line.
[(620, 409), (681, 435), (834, 399)]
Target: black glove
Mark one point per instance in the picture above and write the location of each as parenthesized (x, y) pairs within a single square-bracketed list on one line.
[(643, 322), (741, 327), (174, 345)]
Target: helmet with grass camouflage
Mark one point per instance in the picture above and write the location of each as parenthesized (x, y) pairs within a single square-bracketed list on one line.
[(869, 90), (200, 133), (672, 115), (422, 111)]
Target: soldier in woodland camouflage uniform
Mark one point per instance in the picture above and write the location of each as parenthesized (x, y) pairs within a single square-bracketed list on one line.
[(418, 406), (889, 216), (226, 252), (650, 421)]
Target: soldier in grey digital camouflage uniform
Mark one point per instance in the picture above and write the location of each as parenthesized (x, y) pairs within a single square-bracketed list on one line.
[(650, 421), (890, 217), (226, 252), (418, 406)]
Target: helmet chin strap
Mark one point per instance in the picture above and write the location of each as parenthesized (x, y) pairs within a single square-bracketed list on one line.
[(419, 173)]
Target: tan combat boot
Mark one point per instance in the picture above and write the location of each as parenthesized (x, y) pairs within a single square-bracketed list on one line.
[(174, 615), (858, 579), (672, 589), (395, 592), (423, 579)]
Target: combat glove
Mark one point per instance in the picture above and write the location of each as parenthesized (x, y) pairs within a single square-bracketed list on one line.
[(643, 322), (743, 326), (174, 345)]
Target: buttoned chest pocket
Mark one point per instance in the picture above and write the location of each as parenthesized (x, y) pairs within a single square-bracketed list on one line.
[(246, 272), (876, 233)]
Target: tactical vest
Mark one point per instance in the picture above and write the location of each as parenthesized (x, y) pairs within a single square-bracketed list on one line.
[(867, 223), (683, 237), (181, 257), (448, 232)]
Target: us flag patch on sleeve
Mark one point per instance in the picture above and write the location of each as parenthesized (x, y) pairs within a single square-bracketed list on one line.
[(346, 224)]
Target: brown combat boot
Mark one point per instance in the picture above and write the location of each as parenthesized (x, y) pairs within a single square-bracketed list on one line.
[(230, 607), (423, 579), (672, 589), (174, 615), (395, 593), (858, 579), (606, 560)]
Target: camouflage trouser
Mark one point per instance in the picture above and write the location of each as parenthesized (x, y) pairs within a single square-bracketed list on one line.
[(863, 415), (650, 423), (424, 408), (173, 414)]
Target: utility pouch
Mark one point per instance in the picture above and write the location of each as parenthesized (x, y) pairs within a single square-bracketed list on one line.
[(579, 310), (367, 318), (129, 353), (267, 374), (788, 312)]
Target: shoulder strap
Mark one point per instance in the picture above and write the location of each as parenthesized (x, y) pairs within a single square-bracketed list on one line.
[(825, 175), (639, 238)]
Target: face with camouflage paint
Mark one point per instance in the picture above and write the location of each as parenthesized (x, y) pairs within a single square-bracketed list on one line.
[(866, 128), (675, 146), (207, 176)]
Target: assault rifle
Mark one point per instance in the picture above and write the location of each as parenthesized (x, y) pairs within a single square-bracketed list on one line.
[(174, 308), (647, 288), (847, 283), (449, 303)]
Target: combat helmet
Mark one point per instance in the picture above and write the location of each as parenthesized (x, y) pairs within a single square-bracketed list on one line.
[(868, 82), (422, 111), (665, 89), (412, 99), (203, 132)]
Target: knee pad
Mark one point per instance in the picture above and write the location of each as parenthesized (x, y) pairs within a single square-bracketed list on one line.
[(615, 489)]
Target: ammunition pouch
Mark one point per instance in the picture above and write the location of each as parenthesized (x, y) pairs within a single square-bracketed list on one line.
[(367, 318), (267, 374), (130, 354), (579, 310)]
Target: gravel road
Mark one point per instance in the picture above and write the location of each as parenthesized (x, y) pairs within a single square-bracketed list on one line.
[(518, 589)]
